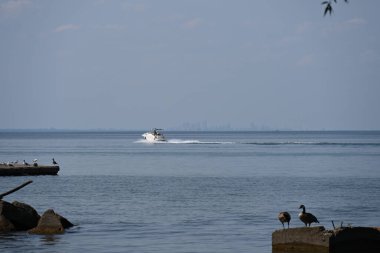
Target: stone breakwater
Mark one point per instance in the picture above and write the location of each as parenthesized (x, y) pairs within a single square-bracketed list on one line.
[(17, 216), (318, 240), (30, 170)]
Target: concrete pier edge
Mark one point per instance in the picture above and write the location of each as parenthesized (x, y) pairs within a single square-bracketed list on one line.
[(318, 239), (30, 170)]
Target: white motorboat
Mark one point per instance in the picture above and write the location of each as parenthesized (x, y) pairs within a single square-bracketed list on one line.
[(154, 135)]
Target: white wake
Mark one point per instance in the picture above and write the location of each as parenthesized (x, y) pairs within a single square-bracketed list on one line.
[(180, 141)]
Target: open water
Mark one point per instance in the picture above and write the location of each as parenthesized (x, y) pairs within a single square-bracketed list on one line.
[(199, 192)]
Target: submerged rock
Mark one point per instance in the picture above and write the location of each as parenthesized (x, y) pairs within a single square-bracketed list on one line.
[(51, 223)]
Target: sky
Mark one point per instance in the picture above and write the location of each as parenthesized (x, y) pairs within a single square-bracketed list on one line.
[(177, 64)]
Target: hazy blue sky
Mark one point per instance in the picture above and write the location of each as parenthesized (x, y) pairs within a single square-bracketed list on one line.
[(142, 64)]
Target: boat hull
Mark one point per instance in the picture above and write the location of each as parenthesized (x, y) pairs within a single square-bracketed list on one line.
[(152, 138)]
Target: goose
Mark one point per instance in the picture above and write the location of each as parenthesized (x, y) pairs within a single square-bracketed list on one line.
[(54, 162), (25, 163), (284, 217), (307, 218)]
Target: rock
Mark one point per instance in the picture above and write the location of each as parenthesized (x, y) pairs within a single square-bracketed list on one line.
[(22, 216), (356, 239), (30, 215), (51, 223), (6, 225)]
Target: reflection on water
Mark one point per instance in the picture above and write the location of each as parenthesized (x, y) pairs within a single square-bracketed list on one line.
[(50, 239)]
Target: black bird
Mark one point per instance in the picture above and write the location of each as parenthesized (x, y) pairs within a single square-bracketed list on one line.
[(284, 217), (307, 218), (25, 163), (328, 9), (54, 162)]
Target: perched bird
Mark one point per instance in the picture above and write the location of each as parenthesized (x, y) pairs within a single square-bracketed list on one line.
[(284, 217), (54, 162), (25, 163), (307, 218)]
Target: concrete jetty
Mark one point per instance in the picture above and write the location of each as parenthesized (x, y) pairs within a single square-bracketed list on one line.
[(29, 170), (320, 240)]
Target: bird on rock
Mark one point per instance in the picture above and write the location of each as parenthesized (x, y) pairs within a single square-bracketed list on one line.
[(284, 217), (307, 218)]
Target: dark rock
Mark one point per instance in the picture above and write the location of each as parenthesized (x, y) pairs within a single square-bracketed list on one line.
[(20, 215), (51, 223), (356, 239), (6, 225), (31, 217)]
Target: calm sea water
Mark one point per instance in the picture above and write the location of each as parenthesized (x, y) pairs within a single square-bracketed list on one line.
[(200, 192)]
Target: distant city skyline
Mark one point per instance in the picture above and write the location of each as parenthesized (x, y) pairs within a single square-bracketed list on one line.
[(186, 126), (139, 64)]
